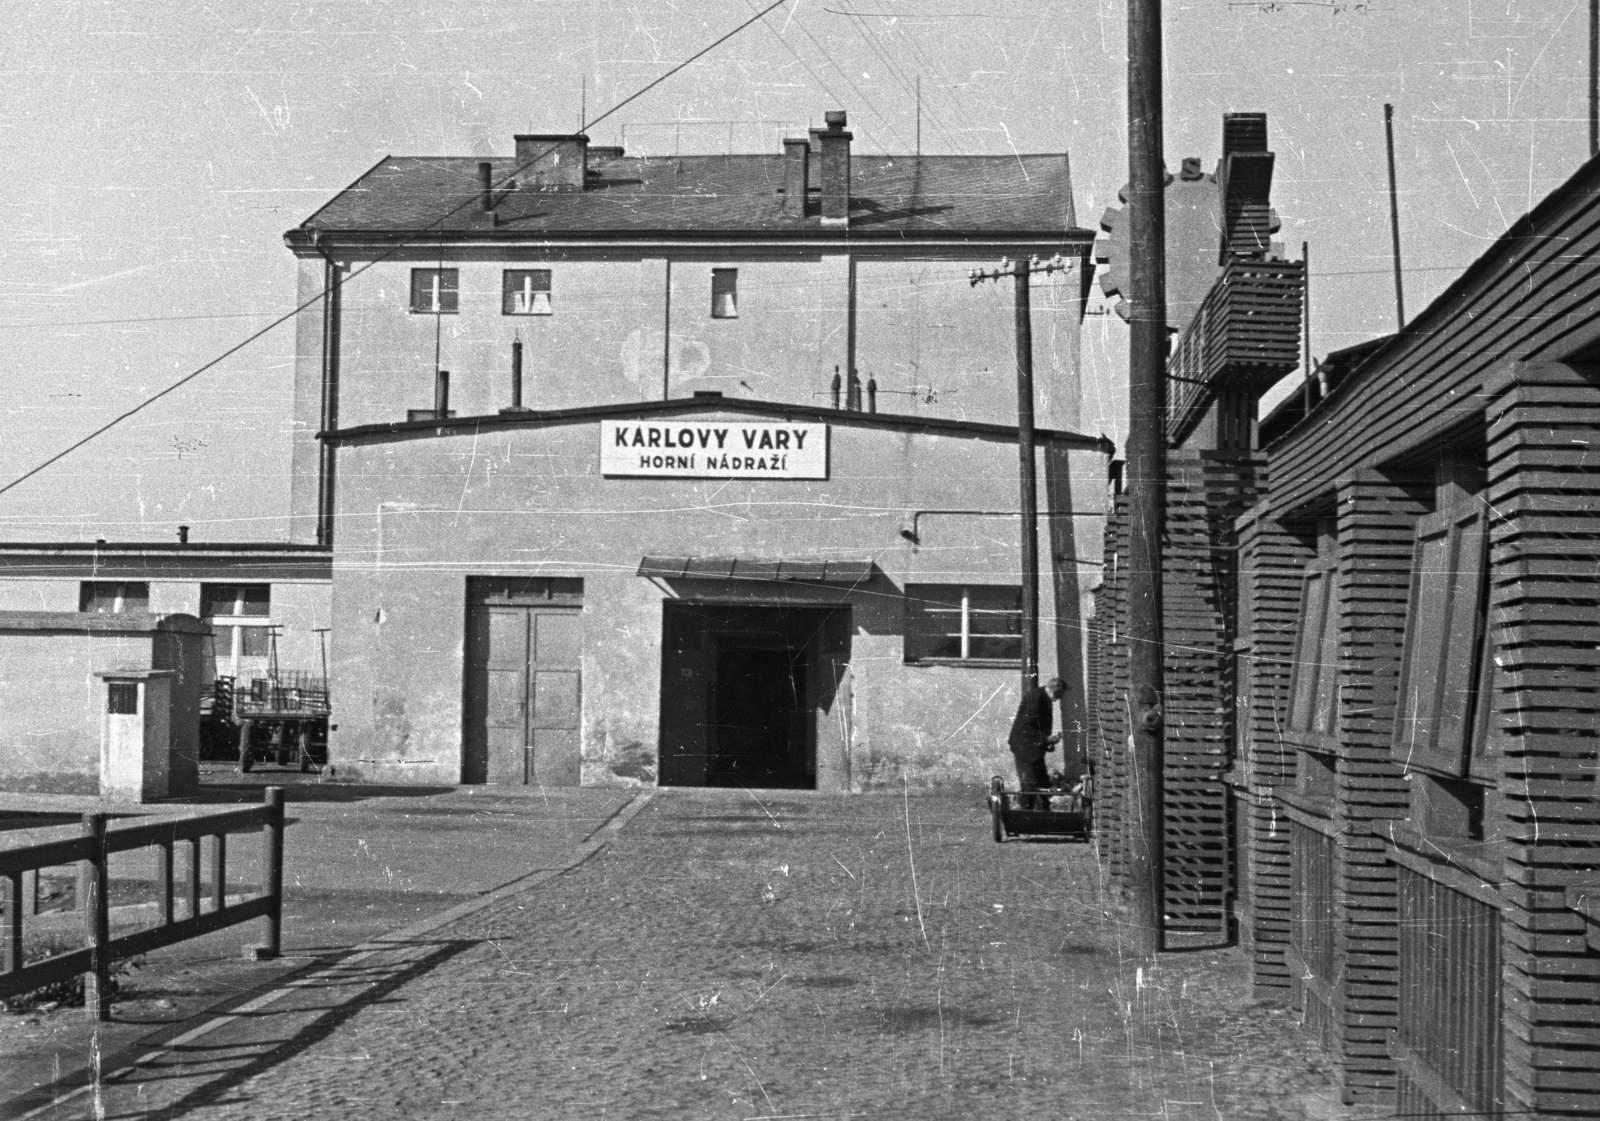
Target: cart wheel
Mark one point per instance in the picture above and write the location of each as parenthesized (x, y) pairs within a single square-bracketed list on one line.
[(999, 825), (245, 728), (303, 742)]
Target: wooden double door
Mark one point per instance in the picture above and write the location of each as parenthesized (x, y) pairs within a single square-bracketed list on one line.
[(524, 692)]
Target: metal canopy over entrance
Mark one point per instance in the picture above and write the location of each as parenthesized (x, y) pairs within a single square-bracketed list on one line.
[(751, 695), (807, 571)]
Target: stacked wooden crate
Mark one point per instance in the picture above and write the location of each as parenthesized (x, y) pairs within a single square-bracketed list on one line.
[(1271, 565), (1544, 494)]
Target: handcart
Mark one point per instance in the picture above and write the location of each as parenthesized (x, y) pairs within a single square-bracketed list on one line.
[(283, 719), (1058, 811)]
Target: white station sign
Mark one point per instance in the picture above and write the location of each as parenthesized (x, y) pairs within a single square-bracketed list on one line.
[(713, 449)]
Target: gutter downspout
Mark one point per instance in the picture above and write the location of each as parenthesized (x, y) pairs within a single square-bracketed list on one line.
[(330, 394)]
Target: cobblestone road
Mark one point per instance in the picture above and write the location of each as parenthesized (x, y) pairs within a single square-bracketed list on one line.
[(795, 956)]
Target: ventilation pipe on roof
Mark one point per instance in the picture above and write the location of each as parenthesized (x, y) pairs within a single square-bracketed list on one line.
[(837, 382), (441, 395), (835, 142), (796, 175), (183, 535), (872, 395), (486, 184)]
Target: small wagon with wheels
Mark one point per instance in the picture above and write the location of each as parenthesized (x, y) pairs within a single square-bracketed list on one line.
[(1058, 811), (283, 719)]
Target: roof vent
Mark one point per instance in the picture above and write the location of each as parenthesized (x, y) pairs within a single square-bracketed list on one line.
[(708, 393)]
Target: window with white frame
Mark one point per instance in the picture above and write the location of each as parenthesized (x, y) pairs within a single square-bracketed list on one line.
[(963, 623), (108, 597), (724, 293), (435, 291), (240, 618), (525, 292)]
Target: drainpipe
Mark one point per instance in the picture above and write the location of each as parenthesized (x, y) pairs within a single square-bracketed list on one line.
[(441, 395), (329, 420)]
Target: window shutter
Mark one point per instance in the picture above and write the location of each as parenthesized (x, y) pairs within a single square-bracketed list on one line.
[(1305, 673), (1440, 665)]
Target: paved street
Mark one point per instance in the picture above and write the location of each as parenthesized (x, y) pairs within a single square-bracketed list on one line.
[(360, 860), (728, 955)]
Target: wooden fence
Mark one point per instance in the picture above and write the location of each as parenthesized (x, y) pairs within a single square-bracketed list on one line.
[(91, 852)]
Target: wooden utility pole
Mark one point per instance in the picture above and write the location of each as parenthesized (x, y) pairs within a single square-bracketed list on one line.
[(1147, 469), (1594, 77), (1021, 272), (1394, 218)]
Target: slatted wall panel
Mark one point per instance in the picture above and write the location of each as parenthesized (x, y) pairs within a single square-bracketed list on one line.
[(1313, 929), (1544, 491), (1110, 630), (1377, 518), (1205, 493), (1447, 1040), (1271, 561)]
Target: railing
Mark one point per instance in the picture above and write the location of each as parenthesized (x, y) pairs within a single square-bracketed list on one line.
[(91, 852), (1447, 1045), (1311, 956)]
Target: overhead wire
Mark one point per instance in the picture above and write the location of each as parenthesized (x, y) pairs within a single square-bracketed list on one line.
[(385, 255), (898, 75), (864, 99)]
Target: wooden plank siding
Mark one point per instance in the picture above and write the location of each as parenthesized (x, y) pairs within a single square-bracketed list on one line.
[(1271, 564), (1532, 295), (1376, 517), (1544, 497), (1497, 367), (1205, 493)]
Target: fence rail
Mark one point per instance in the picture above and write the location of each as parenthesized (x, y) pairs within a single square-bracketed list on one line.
[(91, 852)]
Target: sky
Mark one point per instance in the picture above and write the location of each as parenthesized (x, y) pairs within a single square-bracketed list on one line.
[(154, 154)]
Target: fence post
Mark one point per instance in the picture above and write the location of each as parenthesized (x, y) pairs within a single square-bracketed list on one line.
[(94, 888), (271, 876)]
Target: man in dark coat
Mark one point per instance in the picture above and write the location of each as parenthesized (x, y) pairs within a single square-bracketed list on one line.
[(1031, 737)]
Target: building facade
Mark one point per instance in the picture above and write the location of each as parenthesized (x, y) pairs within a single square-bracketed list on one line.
[(694, 470)]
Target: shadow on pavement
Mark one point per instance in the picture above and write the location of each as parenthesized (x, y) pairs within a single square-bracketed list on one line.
[(265, 1048), (213, 792)]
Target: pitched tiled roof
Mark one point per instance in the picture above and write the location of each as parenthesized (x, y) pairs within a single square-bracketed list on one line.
[(898, 196)]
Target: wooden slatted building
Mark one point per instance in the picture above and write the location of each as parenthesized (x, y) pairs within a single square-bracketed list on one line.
[(1413, 698), (1435, 750)]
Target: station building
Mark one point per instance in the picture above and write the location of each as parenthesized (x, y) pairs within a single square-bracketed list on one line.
[(696, 470)]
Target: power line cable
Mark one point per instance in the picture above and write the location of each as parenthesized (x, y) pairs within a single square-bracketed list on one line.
[(898, 75), (845, 74), (438, 222)]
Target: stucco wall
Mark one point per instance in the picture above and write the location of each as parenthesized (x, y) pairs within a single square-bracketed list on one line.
[(420, 514), (299, 606), (936, 345), (52, 705)]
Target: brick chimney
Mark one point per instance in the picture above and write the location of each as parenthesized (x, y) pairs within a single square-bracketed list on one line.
[(552, 161), (796, 175), (835, 142)]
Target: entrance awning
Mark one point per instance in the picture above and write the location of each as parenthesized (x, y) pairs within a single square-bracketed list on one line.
[(744, 568)]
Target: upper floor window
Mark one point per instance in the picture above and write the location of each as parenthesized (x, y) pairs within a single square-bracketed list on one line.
[(724, 293), (104, 597), (435, 291), (526, 292), (963, 622)]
